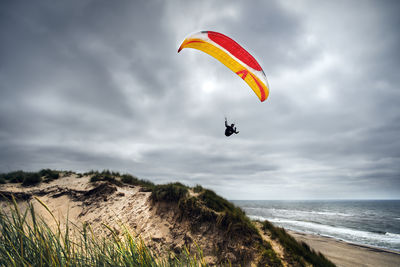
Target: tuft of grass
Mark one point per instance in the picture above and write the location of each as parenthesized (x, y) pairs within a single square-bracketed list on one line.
[(132, 180), (238, 224), (172, 192), (91, 172), (192, 208), (31, 179), (231, 218), (215, 202), (198, 188), (49, 175), (297, 252), (27, 240), (105, 175), (14, 177), (268, 256)]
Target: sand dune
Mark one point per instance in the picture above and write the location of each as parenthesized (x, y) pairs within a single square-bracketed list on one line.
[(163, 227)]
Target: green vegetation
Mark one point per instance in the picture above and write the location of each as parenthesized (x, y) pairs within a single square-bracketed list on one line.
[(106, 175), (296, 252), (27, 240), (132, 180), (210, 208), (268, 256), (49, 175), (172, 192), (14, 177), (198, 188), (215, 202), (118, 179), (29, 178), (24, 244), (231, 218)]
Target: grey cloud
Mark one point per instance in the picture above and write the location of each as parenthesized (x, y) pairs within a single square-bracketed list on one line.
[(94, 85)]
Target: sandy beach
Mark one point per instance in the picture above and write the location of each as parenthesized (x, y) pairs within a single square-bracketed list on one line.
[(348, 254)]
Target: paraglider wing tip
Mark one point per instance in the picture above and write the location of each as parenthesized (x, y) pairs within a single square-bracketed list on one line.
[(180, 48)]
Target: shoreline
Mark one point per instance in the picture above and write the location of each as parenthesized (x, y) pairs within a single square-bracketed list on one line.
[(348, 254)]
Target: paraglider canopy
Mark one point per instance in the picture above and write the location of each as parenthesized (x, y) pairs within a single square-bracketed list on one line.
[(232, 55)]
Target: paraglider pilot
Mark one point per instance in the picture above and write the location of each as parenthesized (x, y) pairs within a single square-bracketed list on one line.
[(230, 129)]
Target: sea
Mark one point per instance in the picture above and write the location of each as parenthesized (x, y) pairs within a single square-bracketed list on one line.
[(365, 222)]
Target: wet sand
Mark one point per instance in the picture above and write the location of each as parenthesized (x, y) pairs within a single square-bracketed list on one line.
[(347, 254)]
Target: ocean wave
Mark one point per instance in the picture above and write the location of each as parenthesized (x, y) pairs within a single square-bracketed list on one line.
[(331, 213), (286, 212), (388, 240), (393, 235)]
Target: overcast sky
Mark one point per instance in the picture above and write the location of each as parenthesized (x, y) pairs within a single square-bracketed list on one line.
[(99, 85)]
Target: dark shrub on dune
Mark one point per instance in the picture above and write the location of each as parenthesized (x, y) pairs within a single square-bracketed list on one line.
[(31, 179), (105, 175), (231, 218), (215, 202), (198, 188), (26, 178), (14, 177), (132, 180), (172, 192), (49, 175)]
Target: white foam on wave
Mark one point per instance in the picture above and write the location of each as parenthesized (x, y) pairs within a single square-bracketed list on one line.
[(331, 213), (393, 235), (388, 240), (286, 212)]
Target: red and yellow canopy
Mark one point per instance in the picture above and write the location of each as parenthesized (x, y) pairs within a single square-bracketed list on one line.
[(232, 55)]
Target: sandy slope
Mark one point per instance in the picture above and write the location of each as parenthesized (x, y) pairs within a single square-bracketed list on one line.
[(120, 207)]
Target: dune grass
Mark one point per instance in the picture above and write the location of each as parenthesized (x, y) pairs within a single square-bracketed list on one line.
[(132, 180), (118, 179), (29, 178), (172, 192), (27, 240), (296, 252), (26, 178), (210, 208), (49, 175)]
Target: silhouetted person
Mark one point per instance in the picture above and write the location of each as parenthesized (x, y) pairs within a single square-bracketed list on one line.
[(230, 129)]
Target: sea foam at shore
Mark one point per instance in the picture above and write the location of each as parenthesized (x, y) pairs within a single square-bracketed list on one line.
[(366, 222)]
